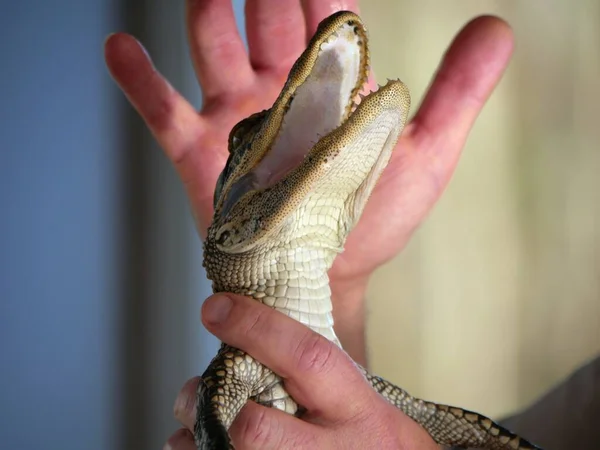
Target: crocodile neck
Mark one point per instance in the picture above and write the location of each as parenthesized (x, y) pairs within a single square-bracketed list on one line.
[(291, 279)]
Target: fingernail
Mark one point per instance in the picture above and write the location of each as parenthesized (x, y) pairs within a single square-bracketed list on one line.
[(216, 309)]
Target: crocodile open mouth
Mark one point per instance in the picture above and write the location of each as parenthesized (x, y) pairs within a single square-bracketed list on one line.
[(318, 97), (319, 105)]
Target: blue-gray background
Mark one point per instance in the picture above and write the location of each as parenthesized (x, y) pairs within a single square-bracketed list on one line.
[(100, 265)]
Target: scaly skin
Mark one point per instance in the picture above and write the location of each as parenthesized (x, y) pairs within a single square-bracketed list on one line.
[(280, 220)]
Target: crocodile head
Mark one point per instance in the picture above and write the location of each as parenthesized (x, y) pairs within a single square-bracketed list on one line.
[(300, 173)]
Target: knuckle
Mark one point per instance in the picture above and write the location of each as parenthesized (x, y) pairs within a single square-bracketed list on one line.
[(184, 408), (254, 324), (315, 354), (379, 421), (180, 440), (259, 430)]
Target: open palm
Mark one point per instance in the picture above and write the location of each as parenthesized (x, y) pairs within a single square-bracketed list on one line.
[(236, 83)]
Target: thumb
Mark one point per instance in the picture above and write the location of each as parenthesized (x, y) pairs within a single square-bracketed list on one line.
[(261, 428), (317, 373)]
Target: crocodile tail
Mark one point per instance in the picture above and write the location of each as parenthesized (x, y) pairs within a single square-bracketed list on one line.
[(466, 429), (450, 426), (209, 431)]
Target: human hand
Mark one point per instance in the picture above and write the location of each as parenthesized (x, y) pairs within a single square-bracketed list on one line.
[(343, 410), (236, 83)]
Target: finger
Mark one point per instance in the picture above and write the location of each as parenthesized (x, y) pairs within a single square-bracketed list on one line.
[(217, 49), (185, 404), (182, 439), (469, 72), (431, 143), (172, 120), (316, 10), (276, 33), (258, 427), (315, 370), (255, 427)]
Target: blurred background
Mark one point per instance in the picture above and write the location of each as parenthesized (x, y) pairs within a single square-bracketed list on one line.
[(496, 298)]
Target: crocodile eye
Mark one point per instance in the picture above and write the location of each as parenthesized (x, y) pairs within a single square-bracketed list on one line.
[(223, 237)]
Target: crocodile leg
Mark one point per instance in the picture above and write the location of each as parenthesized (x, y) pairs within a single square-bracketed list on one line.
[(450, 426), (233, 378)]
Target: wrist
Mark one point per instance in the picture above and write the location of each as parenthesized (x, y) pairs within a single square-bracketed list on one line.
[(349, 314)]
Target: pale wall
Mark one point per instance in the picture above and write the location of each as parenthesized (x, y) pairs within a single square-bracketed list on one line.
[(497, 297)]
